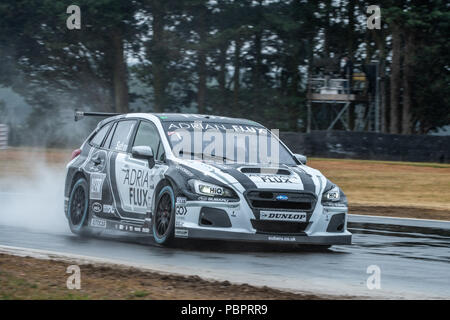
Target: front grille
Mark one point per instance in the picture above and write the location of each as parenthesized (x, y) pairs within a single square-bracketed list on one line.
[(262, 204), (267, 199), (279, 227), (263, 199)]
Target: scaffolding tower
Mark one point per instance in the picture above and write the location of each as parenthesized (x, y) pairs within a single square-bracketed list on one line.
[(330, 99)]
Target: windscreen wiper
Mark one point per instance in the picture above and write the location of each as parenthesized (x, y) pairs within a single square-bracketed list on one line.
[(203, 155)]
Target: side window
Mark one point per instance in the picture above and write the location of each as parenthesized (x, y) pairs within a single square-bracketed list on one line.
[(122, 134), (107, 142), (147, 135), (96, 141)]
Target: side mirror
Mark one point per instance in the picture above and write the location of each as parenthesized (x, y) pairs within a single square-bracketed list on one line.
[(145, 153), (301, 158)]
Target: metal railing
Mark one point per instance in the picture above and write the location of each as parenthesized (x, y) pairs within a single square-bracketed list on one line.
[(328, 86)]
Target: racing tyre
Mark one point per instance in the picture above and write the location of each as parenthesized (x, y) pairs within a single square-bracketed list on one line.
[(78, 207), (164, 217)]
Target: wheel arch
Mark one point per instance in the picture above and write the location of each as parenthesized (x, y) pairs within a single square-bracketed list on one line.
[(166, 181), (78, 175)]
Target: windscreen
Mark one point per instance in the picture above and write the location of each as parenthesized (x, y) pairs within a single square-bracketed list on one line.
[(226, 143)]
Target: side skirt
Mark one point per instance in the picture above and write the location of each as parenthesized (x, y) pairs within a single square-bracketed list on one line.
[(133, 227)]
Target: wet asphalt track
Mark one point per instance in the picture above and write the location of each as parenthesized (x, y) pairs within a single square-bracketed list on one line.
[(413, 256)]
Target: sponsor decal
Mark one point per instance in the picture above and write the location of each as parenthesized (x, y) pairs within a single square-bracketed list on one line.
[(283, 216), (181, 233), (179, 223), (130, 228), (221, 127), (98, 223), (107, 208), (275, 179), (204, 198), (137, 181), (181, 200), (96, 207), (280, 238), (181, 210), (271, 178), (97, 180), (121, 146)]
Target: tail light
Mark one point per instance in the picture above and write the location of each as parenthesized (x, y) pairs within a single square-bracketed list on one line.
[(75, 153)]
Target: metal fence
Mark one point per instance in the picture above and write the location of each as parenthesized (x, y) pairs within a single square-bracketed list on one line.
[(4, 130)]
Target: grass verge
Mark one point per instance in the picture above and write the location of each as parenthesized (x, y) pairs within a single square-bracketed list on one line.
[(30, 278)]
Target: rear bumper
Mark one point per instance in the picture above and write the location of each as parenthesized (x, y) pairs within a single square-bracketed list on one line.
[(343, 238)]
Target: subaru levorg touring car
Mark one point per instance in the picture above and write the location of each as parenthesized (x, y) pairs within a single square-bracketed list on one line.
[(201, 177)]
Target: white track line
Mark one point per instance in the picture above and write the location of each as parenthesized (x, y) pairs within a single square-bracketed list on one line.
[(399, 218)]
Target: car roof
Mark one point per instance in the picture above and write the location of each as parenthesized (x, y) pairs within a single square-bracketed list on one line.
[(166, 117), (179, 117)]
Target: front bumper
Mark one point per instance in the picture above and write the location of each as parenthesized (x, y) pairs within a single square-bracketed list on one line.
[(321, 229)]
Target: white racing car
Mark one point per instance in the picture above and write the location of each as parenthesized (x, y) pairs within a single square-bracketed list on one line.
[(201, 177)]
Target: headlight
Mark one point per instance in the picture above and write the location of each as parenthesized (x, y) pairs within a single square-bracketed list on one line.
[(333, 196), (209, 189)]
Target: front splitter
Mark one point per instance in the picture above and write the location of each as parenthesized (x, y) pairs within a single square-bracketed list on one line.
[(344, 238)]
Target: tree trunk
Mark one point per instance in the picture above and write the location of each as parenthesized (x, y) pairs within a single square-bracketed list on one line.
[(201, 62), (157, 57), (395, 78), (350, 48), (382, 94), (381, 45), (407, 76), (120, 84), (256, 73), (236, 75), (327, 28), (351, 28), (257, 63), (222, 78), (293, 94)]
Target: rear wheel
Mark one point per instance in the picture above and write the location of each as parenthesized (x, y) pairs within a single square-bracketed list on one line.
[(163, 220), (78, 206)]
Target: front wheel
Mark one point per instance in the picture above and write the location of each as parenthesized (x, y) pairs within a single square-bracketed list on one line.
[(163, 220), (78, 206)]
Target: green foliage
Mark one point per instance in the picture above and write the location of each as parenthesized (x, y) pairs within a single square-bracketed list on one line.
[(239, 58)]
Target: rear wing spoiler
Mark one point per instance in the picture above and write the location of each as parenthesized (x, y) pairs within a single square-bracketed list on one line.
[(81, 114)]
